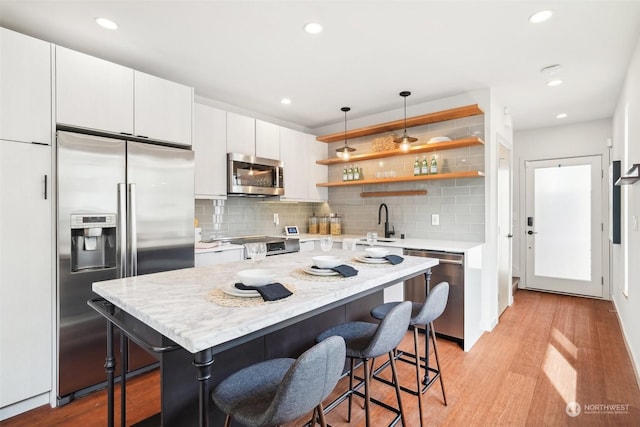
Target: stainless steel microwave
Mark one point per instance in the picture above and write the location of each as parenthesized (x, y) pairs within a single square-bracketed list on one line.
[(254, 176)]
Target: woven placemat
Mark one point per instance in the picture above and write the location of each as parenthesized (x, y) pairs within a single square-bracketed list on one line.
[(218, 296)]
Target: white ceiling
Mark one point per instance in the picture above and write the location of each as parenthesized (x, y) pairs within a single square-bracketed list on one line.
[(251, 54)]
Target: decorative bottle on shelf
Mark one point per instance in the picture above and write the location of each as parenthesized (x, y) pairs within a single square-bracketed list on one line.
[(350, 173), (424, 170), (416, 167), (344, 173), (434, 165), (356, 173)]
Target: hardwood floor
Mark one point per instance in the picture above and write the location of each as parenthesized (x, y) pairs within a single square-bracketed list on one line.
[(547, 350)]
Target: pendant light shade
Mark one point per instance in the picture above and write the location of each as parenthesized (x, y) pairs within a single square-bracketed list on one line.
[(406, 140), (345, 151)]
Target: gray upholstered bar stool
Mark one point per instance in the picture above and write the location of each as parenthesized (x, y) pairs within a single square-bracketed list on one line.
[(421, 314), (277, 391), (366, 341)]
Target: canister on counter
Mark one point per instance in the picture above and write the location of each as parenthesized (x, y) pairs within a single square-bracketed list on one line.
[(323, 225), (336, 224), (313, 225)]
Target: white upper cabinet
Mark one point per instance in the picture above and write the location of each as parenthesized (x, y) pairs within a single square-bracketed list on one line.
[(25, 88), (295, 156), (267, 140), (209, 146), (252, 137), (93, 93), (299, 153), (162, 109), (317, 173), (96, 94), (241, 134)]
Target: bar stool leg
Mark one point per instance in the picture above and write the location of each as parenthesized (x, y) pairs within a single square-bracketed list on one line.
[(323, 421), (416, 348), (435, 351), (350, 388), (367, 396), (397, 384)]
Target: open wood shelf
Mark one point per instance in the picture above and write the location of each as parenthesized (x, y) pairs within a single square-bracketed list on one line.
[(453, 175), (447, 145), (425, 119)]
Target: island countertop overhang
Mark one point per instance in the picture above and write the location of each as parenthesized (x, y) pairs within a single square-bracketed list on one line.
[(176, 304)]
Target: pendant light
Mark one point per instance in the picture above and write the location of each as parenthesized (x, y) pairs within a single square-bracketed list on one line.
[(405, 141), (345, 151)]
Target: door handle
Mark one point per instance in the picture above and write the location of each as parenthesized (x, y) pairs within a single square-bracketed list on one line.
[(532, 232), (509, 235)]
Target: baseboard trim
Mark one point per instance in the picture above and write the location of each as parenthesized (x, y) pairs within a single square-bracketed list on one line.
[(24, 406), (626, 343)]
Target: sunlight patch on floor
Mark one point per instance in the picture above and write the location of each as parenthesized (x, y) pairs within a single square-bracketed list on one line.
[(564, 342), (560, 373)]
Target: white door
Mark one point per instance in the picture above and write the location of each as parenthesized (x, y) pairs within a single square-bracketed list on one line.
[(505, 297), (564, 225)]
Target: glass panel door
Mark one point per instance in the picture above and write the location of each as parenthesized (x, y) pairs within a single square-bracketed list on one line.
[(563, 225)]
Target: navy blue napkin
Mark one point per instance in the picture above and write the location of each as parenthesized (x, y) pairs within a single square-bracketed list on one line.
[(344, 270), (270, 292), (394, 259)]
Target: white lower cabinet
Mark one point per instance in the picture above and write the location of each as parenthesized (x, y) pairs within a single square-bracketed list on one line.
[(26, 287), (218, 256)]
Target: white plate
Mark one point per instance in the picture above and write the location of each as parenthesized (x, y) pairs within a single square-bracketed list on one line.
[(369, 260), (235, 292), (438, 139), (320, 271)]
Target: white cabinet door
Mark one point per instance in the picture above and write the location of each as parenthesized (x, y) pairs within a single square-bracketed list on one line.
[(209, 146), (218, 257), (317, 173), (241, 134), (26, 288), (163, 109), (93, 93), (294, 154), (267, 140), (25, 85)]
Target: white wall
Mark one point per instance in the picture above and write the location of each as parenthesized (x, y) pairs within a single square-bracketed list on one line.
[(581, 139), (627, 305)]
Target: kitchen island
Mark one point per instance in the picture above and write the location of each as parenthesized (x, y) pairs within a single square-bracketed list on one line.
[(175, 311)]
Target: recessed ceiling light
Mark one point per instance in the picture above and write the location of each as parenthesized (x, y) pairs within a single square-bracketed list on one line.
[(561, 116), (285, 101), (541, 16), (555, 82), (313, 28), (107, 23)]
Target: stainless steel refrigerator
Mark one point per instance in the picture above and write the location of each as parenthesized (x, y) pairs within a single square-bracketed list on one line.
[(124, 208)]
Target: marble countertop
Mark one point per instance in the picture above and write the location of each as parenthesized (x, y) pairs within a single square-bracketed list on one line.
[(176, 304)]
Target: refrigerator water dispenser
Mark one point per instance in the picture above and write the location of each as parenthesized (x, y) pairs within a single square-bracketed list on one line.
[(93, 242)]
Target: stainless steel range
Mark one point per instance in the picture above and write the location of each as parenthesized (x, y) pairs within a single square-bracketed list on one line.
[(275, 245)]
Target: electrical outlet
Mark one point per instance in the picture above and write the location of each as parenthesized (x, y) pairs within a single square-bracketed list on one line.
[(276, 219), (435, 219)]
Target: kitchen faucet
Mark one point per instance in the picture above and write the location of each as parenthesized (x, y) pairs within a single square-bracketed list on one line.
[(387, 232)]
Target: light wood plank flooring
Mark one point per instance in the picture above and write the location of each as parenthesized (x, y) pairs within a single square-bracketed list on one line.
[(546, 351)]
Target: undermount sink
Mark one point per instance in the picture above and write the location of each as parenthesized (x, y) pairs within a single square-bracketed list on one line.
[(382, 240)]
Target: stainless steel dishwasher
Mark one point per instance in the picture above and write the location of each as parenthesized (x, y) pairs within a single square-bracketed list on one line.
[(450, 325)]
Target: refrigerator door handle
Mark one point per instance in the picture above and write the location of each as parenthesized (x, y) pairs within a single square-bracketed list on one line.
[(133, 243), (122, 231)]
